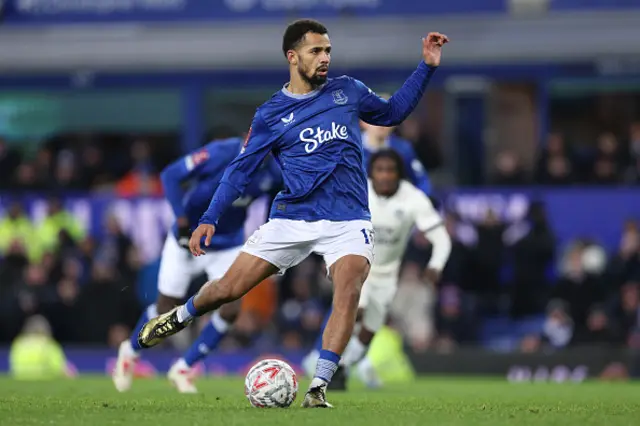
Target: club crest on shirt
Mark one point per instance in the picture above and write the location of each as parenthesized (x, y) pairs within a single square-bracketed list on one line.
[(339, 97)]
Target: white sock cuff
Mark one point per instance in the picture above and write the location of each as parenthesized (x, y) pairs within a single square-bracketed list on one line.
[(220, 324), (152, 311)]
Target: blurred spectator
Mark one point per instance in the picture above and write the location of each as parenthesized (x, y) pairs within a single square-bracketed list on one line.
[(141, 179), (44, 166), (93, 167), (26, 179), (9, 161), (60, 226), (555, 164), (489, 257), (599, 330), (114, 249), (609, 160), (17, 234), (35, 355), (533, 246), (453, 325), (412, 309), (625, 265), (509, 171), (557, 330), (106, 301), (626, 310), (579, 288), (66, 177)]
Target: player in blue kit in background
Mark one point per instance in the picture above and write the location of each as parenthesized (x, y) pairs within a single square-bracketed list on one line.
[(203, 169), (375, 138), (311, 126)]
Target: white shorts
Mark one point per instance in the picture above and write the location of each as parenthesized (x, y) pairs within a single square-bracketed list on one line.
[(178, 267), (285, 243), (376, 297)]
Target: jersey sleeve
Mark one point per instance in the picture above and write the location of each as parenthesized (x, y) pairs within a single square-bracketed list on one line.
[(276, 172), (257, 145), (180, 171), (426, 216), (377, 111)]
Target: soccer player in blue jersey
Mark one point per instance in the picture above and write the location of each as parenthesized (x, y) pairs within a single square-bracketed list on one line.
[(374, 139), (311, 126), (203, 169)]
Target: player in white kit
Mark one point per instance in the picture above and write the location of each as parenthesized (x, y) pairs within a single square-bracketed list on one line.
[(396, 207)]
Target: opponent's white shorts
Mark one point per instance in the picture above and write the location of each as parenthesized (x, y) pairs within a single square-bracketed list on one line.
[(178, 267), (378, 292), (285, 242)]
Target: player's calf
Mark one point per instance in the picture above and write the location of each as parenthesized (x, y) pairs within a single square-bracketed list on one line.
[(348, 273), (354, 352)]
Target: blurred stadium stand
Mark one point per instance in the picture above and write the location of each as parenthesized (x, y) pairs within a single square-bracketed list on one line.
[(530, 131)]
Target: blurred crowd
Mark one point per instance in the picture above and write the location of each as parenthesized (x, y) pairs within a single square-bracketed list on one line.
[(610, 159), (120, 164), (581, 294), (86, 288)]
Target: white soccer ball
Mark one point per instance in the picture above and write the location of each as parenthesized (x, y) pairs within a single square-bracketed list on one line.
[(271, 383)]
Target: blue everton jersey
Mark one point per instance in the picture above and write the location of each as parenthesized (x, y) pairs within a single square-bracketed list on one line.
[(316, 140), (415, 172), (201, 171)]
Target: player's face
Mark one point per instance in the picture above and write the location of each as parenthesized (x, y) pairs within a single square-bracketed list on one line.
[(313, 57), (385, 176)]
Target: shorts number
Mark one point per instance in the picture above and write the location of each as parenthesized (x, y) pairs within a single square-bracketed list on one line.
[(367, 236)]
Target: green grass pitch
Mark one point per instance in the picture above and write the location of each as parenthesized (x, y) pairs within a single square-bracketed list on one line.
[(93, 401)]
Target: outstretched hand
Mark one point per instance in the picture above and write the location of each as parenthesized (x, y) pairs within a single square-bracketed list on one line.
[(202, 230), (432, 48)]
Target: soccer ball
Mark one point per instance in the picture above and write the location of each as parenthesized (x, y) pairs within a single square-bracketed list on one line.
[(271, 383)]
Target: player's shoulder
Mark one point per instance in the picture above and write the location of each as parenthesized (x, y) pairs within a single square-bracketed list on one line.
[(409, 193), (341, 80), (271, 112)]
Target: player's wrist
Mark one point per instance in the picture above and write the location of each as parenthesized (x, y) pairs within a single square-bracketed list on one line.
[(208, 220), (428, 67)]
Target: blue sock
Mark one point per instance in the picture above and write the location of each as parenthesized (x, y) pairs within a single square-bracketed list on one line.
[(150, 312), (318, 344), (327, 365), (187, 311), (208, 339)]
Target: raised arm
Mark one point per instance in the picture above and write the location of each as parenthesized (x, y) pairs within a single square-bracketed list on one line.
[(380, 112)]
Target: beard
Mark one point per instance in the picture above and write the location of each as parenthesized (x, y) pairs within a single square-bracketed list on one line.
[(314, 79)]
